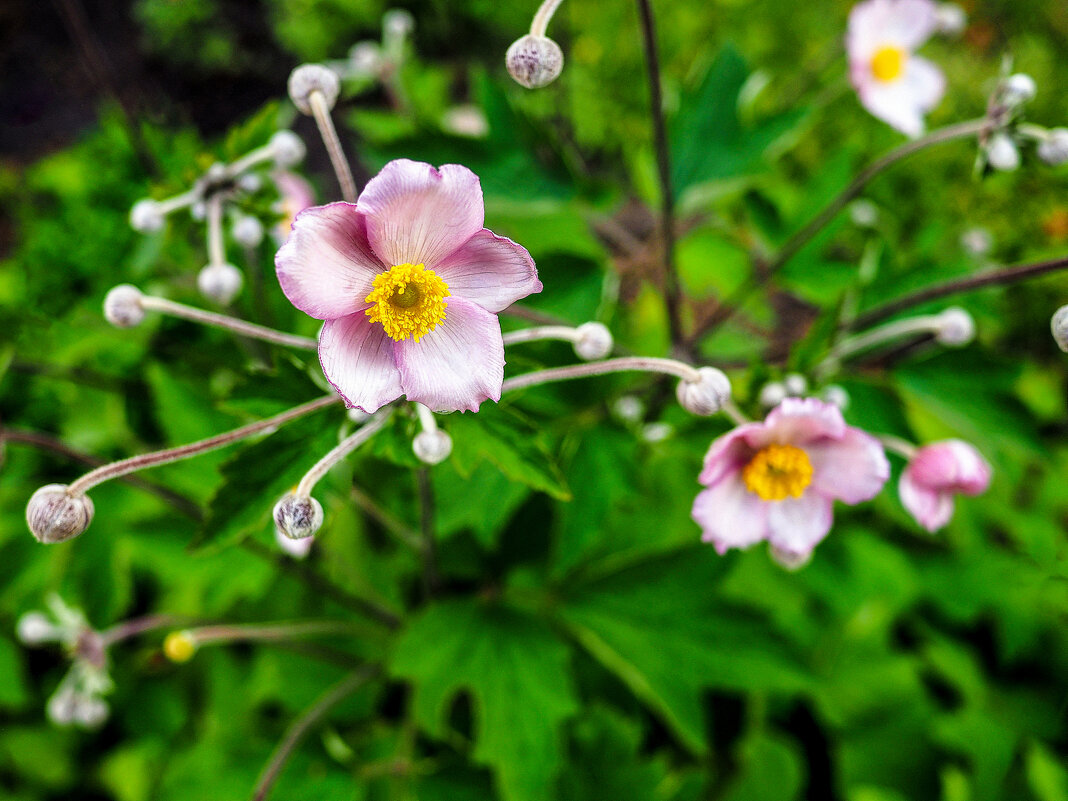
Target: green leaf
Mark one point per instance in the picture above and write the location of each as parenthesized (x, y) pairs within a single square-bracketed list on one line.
[(516, 671), (13, 687)]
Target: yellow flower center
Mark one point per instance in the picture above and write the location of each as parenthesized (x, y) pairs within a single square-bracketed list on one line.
[(409, 301), (888, 63), (778, 471)]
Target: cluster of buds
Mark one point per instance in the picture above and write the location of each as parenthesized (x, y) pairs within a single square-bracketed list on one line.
[(1001, 148), (372, 61), (535, 60)]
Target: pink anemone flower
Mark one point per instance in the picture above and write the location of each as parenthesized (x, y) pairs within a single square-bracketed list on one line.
[(892, 82), (778, 480), (408, 283), (936, 473)]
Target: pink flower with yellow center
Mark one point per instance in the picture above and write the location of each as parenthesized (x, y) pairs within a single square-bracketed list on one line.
[(408, 282), (936, 473), (892, 82), (778, 480)]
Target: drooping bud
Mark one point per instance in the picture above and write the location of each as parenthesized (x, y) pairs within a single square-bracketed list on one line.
[(1002, 153), (365, 59), (146, 217), (247, 231), (772, 394), (308, 78), (54, 515), (1059, 326), (1018, 89), (220, 282), (956, 327), (61, 707), (534, 61), (795, 384), (297, 516), (707, 394), (836, 396), (397, 23), (90, 711), (864, 213), (950, 19), (35, 628), (1053, 150), (298, 549), (288, 149), (432, 447), (250, 182), (593, 341), (122, 306), (179, 646)]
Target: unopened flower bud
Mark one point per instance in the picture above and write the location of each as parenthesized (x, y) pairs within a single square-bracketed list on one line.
[(1002, 153), (61, 707), (35, 628), (836, 396), (90, 711), (179, 646), (863, 213), (795, 384), (1053, 150), (707, 394), (122, 306), (534, 61), (790, 560), (977, 241), (629, 409), (1059, 326), (772, 394), (466, 120), (298, 516), (309, 78), (288, 149), (247, 231), (397, 23), (199, 210), (950, 19), (1018, 89), (146, 217), (54, 515), (298, 549), (956, 327), (220, 282), (365, 59), (250, 182), (657, 432), (593, 341), (432, 447)]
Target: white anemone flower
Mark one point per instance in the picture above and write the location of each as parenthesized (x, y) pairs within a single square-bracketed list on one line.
[(892, 82)]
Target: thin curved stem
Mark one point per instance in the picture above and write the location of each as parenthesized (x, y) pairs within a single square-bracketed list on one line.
[(250, 160), (202, 635), (343, 449), (739, 418), (924, 324), (646, 364), (897, 445), (333, 145), (426, 417), (245, 329), (146, 460), (1009, 275), (537, 333), (216, 251), (794, 244), (300, 727), (672, 292), (167, 205), (545, 12), (131, 628)]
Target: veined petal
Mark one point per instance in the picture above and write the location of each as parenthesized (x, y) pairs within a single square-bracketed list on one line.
[(851, 469), (420, 215), (796, 421), (457, 365), (931, 508), (796, 525), (730, 516), (490, 270), (326, 267), (358, 360), (730, 452)]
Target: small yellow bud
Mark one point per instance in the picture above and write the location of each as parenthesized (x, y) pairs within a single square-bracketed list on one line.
[(179, 646)]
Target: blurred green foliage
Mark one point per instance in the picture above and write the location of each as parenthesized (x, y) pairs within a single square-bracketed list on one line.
[(583, 644)]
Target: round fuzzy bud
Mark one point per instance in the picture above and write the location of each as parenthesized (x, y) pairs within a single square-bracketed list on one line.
[(298, 549), (1053, 150), (90, 711), (250, 182), (288, 149), (61, 707), (308, 78), (365, 59), (790, 560), (298, 517), (54, 515), (950, 19), (1059, 326), (977, 242), (432, 447), (955, 327), (1002, 153), (772, 394), (836, 396), (629, 409), (657, 432), (467, 120), (534, 61), (593, 341), (795, 384), (146, 217), (1018, 89), (397, 23), (220, 282), (863, 213), (35, 628), (199, 211), (122, 306), (179, 646), (707, 394), (247, 231)]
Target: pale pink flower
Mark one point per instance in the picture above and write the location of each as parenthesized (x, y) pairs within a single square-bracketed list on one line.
[(296, 195), (892, 82), (409, 283), (935, 474), (778, 480)]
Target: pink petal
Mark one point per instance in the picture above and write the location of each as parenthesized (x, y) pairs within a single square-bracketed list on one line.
[(931, 508), (420, 215), (902, 103), (851, 469), (796, 525), (326, 267), (358, 360), (796, 421), (951, 465), (730, 516), (926, 83), (889, 23), (731, 452), (491, 270), (457, 365)]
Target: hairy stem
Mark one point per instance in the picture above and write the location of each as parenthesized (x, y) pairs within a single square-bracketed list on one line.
[(333, 146), (646, 364), (242, 327), (541, 19), (343, 449)]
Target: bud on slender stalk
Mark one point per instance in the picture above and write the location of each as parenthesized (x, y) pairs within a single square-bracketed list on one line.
[(1002, 153), (288, 149), (795, 384), (122, 306), (298, 516), (220, 282), (35, 628), (1059, 327), (146, 217), (772, 394), (1053, 150), (54, 515), (706, 395), (1018, 89), (593, 341), (534, 61), (247, 231), (309, 78), (956, 327), (432, 446)]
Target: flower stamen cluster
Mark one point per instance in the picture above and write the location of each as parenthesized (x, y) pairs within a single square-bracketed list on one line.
[(408, 300), (777, 472)]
